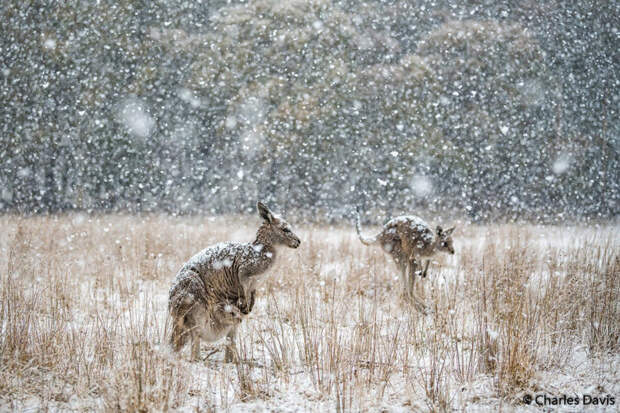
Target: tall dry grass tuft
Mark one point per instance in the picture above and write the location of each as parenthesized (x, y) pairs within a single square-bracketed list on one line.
[(83, 314), (602, 273), (507, 311)]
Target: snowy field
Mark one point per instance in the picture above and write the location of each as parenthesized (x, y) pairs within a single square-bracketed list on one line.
[(518, 310)]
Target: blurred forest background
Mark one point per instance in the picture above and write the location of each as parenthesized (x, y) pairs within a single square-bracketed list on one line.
[(490, 109)]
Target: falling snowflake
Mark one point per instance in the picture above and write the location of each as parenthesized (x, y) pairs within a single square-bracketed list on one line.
[(421, 185), (136, 118), (561, 164)]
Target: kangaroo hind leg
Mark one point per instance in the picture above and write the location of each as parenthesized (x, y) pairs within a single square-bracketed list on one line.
[(414, 299)]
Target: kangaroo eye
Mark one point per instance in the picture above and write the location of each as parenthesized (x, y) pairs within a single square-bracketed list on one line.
[(443, 244), (286, 230)]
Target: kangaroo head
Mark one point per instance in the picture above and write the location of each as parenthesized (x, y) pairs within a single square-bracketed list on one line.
[(229, 313), (245, 302), (444, 239), (279, 230)]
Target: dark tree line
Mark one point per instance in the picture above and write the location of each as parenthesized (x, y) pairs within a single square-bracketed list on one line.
[(494, 109)]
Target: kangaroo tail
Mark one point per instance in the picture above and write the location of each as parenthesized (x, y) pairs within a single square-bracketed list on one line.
[(358, 227)]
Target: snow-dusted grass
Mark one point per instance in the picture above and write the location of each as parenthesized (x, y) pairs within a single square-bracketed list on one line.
[(518, 309)]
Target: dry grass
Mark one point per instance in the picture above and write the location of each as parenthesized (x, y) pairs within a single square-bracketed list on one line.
[(83, 318)]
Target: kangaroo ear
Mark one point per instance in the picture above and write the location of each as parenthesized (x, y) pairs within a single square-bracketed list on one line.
[(449, 231), (264, 212), (439, 230)]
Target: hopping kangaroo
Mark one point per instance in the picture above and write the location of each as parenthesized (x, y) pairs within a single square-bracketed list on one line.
[(406, 239), (216, 287)]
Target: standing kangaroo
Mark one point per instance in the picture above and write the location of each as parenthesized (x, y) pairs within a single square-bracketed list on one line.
[(406, 238), (216, 287)]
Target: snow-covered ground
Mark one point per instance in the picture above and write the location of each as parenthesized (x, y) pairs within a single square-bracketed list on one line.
[(518, 310)]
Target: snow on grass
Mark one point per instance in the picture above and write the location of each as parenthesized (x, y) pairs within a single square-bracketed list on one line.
[(517, 309)]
